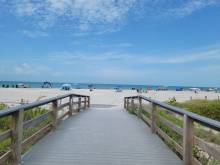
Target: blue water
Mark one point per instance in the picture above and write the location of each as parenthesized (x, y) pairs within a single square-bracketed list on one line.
[(97, 86)]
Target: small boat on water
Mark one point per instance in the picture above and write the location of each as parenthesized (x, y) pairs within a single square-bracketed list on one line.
[(22, 85), (66, 87), (195, 89), (179, 89), (211, 89)]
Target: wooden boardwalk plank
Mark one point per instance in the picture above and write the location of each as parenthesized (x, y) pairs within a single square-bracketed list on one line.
[(107, 135)]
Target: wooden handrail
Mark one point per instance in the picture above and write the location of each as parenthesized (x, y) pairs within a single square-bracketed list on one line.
[(186, 132), (17, 124), (198, 118), (25, 107)]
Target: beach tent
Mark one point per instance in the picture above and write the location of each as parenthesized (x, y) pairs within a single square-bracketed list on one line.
[(46, 84), (66, 87)]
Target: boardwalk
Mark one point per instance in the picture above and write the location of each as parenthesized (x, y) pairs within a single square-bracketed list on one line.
[(102, 135)]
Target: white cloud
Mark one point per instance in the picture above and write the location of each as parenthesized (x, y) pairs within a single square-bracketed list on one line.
[(115, 74), (209, 53), (191, 6), (25, 8), (27, 69), (82, 13), (175, 9), (34, 34), (99, 16), (82, 56), (184, 58), (114, 45)]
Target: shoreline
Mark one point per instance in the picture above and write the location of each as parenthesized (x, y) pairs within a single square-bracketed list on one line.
[(57, 85)]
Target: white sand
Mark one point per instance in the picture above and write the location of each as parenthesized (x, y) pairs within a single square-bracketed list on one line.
[(98, 96)]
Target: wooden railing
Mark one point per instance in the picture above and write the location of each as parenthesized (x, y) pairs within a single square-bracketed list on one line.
[(73, 103), (134, 104)]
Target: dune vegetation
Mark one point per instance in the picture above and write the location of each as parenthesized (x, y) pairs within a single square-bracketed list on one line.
[(206, 108), (5, 123)]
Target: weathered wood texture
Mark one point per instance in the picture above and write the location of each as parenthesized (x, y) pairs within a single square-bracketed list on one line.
[(79, 103), (101, 136), (154, 118), (54, 113), (36, 120), (17, 134), (189, 140), (18, 144)]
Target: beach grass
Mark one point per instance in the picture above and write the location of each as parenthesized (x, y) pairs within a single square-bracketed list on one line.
[(5, 123), (207, 108)]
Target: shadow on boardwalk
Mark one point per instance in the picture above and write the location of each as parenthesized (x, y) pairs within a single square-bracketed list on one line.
[(101, 136)]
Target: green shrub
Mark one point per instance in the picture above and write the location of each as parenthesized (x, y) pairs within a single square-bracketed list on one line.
[(207, 108), (28, 115), (5, 123)]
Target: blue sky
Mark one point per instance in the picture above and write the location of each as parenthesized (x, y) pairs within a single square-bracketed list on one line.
[(162, 42)]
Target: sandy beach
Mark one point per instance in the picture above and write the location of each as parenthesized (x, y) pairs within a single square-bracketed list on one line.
[(13, 96)]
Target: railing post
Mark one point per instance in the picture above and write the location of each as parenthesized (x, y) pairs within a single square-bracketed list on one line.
[(88, 101), (154, 118), (187, 141), (84, 103), (140, 107), (70, 105), (79, 103), (125, 103), (132, 105), (17, 134), (54, 113), (127, 106)]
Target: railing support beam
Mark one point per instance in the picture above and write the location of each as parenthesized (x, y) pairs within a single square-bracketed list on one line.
[(88, 101), (127, 106), (187, 141), (84, 107), (79, 104), (70, 105), (125, 103), (132, 106), (140, 107), (17, 135), (154, 118), (54, 113)]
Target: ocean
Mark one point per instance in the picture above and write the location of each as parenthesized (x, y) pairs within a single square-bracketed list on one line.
[(98, 86)]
